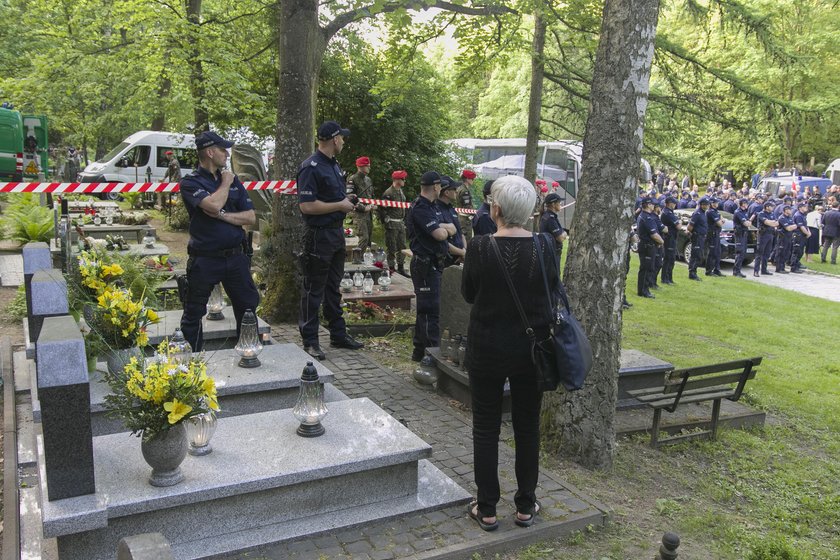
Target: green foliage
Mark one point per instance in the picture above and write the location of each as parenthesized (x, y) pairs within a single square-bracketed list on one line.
[(775, 547), (133, 199), (16, 309), (179, 218), (26, 220)]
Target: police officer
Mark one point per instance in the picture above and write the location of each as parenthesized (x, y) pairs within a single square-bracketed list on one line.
[(324, 204), (731, 204), (756, 205), (218, 206), (482, 223), (784, 239), (394, 221), (428, 237), (446, 202), (550, 223), (742, 228), (659, 257), (713, 239), (361, 185), (698, 226), (672, 222), (647, 228), (800, 237), (464, 199), (766, 231)]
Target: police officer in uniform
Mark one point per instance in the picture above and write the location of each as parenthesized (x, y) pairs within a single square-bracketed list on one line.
[(428, 237), (394, 221), (713, 239), (464, 199), (361, 185), (784, 239), (659, 258), (446, 202), (482, 223), (671, 221), (324, 204), (800, 237), (218, 206), (647, 229), (550, 223), (766, 232), (742, 229), (698, 226)]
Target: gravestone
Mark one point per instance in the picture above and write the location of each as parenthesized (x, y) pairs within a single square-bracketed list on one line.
[(64, 393), (36, 256), (454, 311), (48, 290), (148, 546)]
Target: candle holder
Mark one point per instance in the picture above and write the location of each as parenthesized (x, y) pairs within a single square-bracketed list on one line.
[(179, 348), (384, 280), (310, 408), (200, 429), (249, 346), (346, 283), (215, 304), (358, 279), (367, 284), (356, 257)]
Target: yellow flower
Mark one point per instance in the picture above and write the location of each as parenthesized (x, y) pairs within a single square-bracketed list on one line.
[(152, 316), (112, 270), (142, 339), (177, 410)]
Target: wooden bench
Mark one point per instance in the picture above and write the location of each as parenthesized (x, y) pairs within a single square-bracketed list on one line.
[(693, 385)]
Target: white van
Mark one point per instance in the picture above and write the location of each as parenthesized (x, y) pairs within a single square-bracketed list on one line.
[(833, 172), (142, 155)]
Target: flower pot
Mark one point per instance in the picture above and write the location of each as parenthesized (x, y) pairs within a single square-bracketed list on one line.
[(164, 453), (118, 358), (200, 429)]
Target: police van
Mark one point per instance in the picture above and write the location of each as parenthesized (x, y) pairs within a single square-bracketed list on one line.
[(142, 157), (789, 183)]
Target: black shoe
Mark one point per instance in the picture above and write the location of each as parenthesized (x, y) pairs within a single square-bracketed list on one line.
[(347, 342), (649, 296), (655, 286), (418, 354), (756, 274), (694, 277), (315, 351), (781, 272), (803, 268), (739, 275), (797, 271), (766, 273), (717, 273), (709, 274)]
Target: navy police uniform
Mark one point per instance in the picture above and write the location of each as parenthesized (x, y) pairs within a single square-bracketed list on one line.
[(713, 243), (550, 224), (482, 224), (646, 227), (766, 233), (699, 227), (450, 216), (742, 227), (784, 242), (669, 219), (799, 238), (216, 250)]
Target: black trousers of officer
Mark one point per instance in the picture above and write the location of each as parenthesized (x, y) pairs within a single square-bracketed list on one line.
[(762, 253), (669, 258), (713, 254), (799, 241), (658, 261), (740, 251), (234, 272), (425, 275), (322, 262), (784, 245), (647, 254), (697, 245)]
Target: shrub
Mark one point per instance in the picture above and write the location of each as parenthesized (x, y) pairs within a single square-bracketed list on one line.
[(16, 310), (179, 218), (775, 547), (26, 220)]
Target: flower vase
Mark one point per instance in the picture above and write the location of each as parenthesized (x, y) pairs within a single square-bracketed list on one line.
[(164, 453), (118, 358), (200, 429)]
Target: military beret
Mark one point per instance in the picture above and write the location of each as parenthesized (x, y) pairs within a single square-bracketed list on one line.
[(430, 178), (168, 153), (468, 174), (399, 174), (554, 184), (540, 183), (331, 129), (361, 161)]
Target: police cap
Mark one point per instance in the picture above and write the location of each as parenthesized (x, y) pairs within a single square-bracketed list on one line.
[(769, 204), (670, 200), (714, 200), (209, 138), (487, 186), (786, 207), (704, 200), (646, 200), (330, 129), (801, 204), (743, 201), (552, 198), (447, 182), (430, 178)]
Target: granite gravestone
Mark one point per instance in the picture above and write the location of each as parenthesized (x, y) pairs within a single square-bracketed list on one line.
[(148, 546), (36, 256), (454, 311), (48, 290), (64, 393)]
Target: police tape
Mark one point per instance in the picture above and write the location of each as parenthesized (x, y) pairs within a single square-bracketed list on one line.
[(279, 187)]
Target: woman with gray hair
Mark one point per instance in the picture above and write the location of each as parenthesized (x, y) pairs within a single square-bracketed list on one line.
[(499, 350)]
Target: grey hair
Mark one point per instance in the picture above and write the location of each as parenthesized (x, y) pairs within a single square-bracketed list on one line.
[(516, 197)]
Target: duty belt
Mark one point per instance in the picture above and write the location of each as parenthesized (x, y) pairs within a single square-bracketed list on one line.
[(333, 225), (221, 253)]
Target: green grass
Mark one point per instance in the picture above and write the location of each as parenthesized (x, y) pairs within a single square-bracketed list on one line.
[(824, 267)]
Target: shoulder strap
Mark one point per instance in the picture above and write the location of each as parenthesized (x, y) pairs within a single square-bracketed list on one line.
[(560, 290), (528, 330)]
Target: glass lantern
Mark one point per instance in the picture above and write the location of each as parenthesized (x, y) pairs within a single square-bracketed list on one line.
[(356, 256), (367, 284), (109, 216), (179, 349), (200, 429), (380, 256), (346, 283), (426, 373), (149, 239), (97, 219), (368, 257), (358, 279), (215, 304), (384, 280), (249, 345), (310, 408)]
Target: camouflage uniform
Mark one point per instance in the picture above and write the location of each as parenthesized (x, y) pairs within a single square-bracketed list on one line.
[(394, 220), (463, 199), (362, 186), (173, 171)]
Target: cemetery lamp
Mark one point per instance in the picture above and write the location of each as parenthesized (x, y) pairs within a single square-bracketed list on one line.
[(179, 349), (310, 408), (215, 304), (249, 345)]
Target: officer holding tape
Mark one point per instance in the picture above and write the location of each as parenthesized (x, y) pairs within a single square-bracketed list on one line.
[(219, 206)]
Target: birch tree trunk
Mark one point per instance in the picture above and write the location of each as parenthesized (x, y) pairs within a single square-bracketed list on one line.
[(535, 99), (580, 425)]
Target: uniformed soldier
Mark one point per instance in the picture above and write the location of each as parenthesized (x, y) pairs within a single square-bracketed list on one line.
[(713, 239), (800, 237), (324, 204), (550, 223), (173, 168), (464, 199), (784, 239), (742, 228), (647, 229), (766, 231), (394, 221), (446, 202), (361, 185), (71, 165), (698, 226), (671, 221), (482, 223), (428, 238), (219, 206)]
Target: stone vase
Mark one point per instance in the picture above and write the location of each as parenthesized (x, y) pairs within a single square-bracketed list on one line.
[(200, 429), (117, 359), (164, 453)]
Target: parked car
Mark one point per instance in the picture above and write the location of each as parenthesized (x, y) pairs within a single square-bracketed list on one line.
[(727, 238)]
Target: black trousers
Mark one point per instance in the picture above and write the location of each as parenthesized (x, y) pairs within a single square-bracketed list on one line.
[(784, 245), (713, 252), (740, 250), (426, 279), (658, 262), (205, 272), (799, 241), (669, 258), (698, 242), (322, 261), (762, 252), (526, 400), (647, 254)]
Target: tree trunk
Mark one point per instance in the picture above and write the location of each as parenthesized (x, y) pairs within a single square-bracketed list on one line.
[(197, 86), (535, 100), (164, 88), (301, 46), (580, 425)]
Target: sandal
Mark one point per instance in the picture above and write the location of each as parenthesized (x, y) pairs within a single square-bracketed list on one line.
[(530, 521), (472, 511)]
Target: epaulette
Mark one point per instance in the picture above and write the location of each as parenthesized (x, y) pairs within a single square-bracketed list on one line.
[(313, 163)]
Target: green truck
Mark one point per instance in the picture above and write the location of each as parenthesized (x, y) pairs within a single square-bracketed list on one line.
[(23, 146)]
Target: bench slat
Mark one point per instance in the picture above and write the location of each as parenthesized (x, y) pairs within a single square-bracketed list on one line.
[(673, 385), (715, 368), (688, 399), (660, 396)]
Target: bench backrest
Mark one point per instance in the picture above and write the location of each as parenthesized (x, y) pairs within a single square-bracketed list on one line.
[(714, 375)]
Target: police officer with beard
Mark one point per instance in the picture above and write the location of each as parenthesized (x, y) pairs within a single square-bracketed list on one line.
[(742, 229), (647, 227), (698, 226)]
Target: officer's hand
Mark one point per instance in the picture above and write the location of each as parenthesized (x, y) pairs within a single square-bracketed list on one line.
[(227, 177), (346, 206)]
